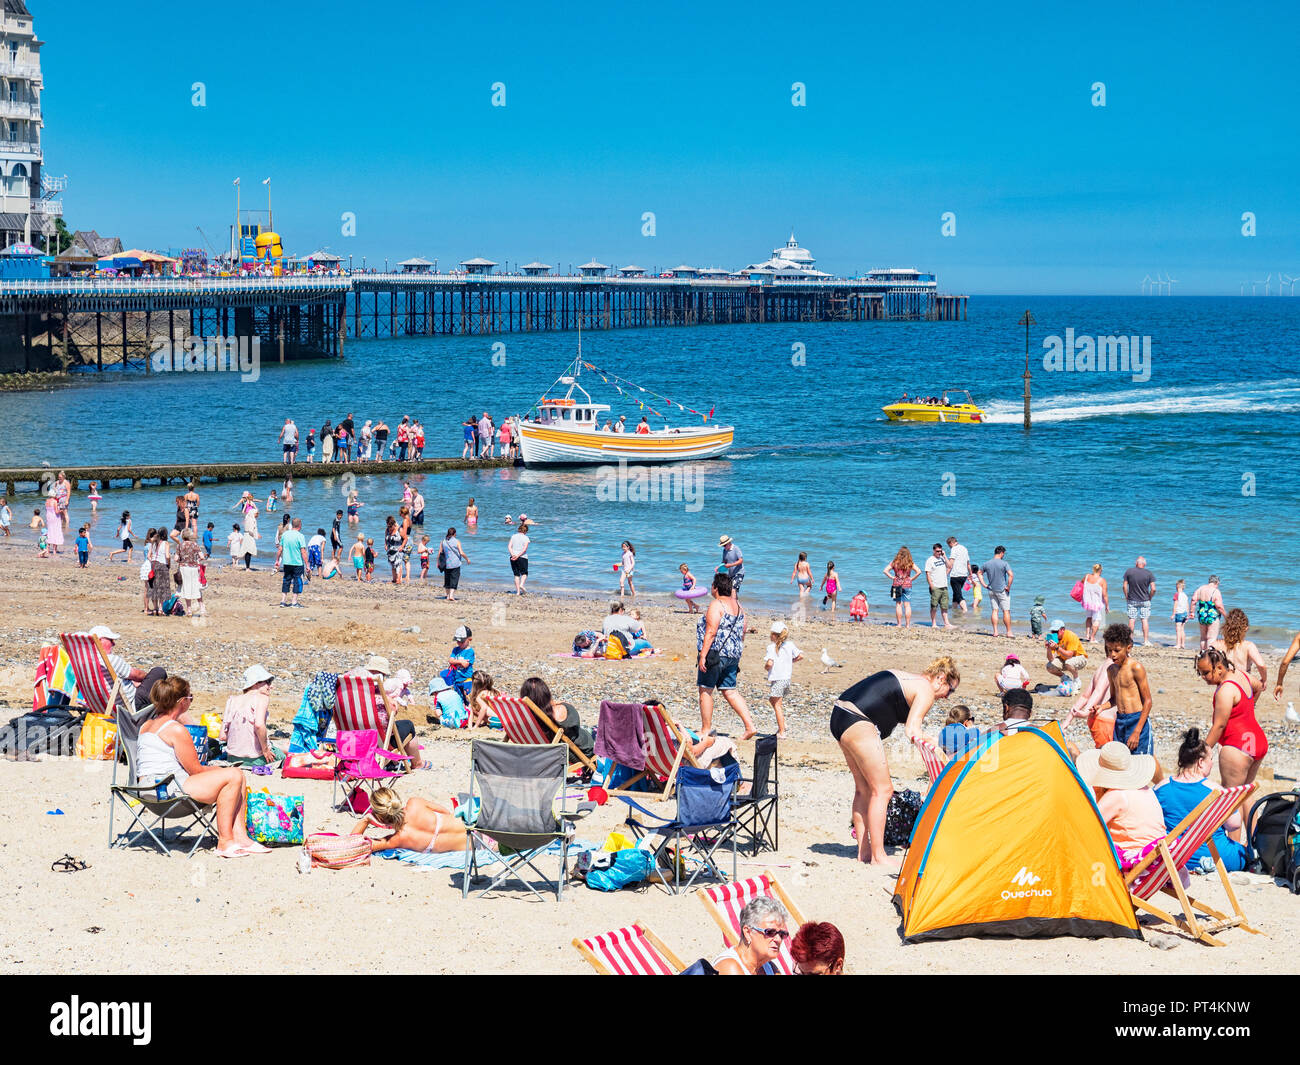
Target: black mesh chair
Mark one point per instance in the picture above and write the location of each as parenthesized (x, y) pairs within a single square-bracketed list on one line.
[(757, 810)]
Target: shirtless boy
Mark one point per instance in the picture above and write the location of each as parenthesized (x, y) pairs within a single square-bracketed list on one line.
[(1130, 694)]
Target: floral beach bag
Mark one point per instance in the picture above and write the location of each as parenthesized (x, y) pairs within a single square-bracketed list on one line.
[(274, 819)]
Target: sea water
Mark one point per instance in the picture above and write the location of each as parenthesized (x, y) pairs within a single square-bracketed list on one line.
[(1189, 460)]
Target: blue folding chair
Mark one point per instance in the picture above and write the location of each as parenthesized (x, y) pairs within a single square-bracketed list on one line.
[(704, 824)]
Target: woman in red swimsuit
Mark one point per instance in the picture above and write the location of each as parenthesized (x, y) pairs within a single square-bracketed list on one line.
[(1242, 743)]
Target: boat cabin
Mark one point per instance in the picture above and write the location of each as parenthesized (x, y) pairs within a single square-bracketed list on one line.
[(570, 411)]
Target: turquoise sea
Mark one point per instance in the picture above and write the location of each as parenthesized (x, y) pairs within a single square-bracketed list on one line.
[(1196, 468)]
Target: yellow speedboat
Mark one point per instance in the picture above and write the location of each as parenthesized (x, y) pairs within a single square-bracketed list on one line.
[(939, 409)]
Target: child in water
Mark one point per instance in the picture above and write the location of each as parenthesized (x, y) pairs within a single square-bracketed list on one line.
[(831, 585), (358, 555), (94, 497), (859, 608), (973, 583), (370, 560), (1179, 616), (688, 584)]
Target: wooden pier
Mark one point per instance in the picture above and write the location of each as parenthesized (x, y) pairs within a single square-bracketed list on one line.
[(42, 477), (62, 323)]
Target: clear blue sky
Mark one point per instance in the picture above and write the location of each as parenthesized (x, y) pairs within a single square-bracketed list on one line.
[(685, 110)]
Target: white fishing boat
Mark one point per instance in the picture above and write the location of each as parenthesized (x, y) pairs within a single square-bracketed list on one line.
[(573, 430)]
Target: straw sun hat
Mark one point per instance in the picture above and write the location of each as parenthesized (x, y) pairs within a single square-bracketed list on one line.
[(1115, 766)]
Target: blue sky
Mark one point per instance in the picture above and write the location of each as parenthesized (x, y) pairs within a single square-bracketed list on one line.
[(685, 110)]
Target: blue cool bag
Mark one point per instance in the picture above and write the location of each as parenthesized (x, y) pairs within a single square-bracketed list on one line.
[(629, 866)]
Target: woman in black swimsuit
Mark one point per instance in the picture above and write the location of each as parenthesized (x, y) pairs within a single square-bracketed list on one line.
[(862, 719)]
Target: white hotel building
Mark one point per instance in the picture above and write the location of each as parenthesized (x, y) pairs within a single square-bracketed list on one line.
[(25, 206)]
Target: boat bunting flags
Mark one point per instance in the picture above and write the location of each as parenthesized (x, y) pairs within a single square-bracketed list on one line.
[(617, 383)]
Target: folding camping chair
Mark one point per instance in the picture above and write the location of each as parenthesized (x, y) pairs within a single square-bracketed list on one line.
[(725, 901), (361, 705), (523, 722), (518, 786), (141, 800), (703, 825), (1158, 871), (935, 760), (758, 810), (634, 951), (359, 763), (89, 663)]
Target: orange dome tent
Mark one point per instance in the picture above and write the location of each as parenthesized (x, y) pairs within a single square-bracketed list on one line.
[(1011, 843)]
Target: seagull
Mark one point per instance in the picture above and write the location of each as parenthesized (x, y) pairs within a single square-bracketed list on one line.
[(1291, 714), (829, 662)]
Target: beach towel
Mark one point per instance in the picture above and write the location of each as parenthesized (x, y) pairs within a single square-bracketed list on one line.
[(620, 734), (456, 859), (53, 675), (315, 713), (656, 653)]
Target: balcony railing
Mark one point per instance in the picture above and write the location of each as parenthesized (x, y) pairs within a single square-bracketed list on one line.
[(19, 67), (19, 109), (20, 147)]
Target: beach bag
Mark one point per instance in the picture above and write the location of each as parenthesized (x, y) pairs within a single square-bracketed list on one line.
[(442, 560), (1076, 593), (273, 819), (904, 806), (330, 851), (1206, 612), (614, 646), (629, 866), (52, 732), (1272, 835), (98, 739)]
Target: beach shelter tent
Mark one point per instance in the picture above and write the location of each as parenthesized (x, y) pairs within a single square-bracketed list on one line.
[(1010, 843)]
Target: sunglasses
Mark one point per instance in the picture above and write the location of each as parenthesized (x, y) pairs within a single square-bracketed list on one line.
[(771, 933)]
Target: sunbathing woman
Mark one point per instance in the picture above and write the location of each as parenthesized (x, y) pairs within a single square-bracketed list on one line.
[(420, 825), (166, 749), (862, 719)]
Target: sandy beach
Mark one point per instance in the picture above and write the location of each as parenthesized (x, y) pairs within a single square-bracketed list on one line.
[(135, 911)]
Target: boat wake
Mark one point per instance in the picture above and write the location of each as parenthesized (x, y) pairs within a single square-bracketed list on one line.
[(1262, 397)]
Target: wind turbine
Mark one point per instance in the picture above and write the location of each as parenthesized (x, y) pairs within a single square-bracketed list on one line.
[(1243, 288), (1288, 280), (1170, 282), (1266, 283), (1145, 285)]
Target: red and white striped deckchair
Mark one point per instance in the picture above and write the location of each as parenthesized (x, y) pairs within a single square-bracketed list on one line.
[(89, 663), (1158, 871), (666, 748), (934, 759), (634, 951), (523, 722), (361, 703), (725, 901)]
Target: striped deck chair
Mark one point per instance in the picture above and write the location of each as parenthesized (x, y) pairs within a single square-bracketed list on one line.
[(667, 748), (935, 760), (725, 901), (634, 951), (523, 722), (89, 662), (361, 705), (1158, 871)]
